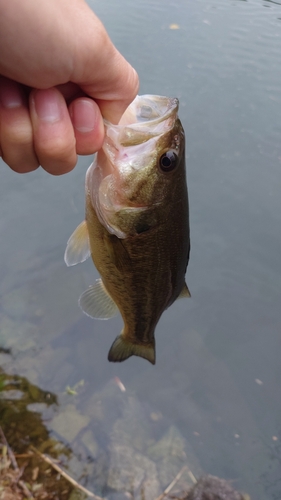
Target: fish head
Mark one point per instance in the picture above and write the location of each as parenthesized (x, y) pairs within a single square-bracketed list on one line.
[(139, 166)]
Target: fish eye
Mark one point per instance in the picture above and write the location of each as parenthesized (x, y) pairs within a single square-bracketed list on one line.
[(168, 161)]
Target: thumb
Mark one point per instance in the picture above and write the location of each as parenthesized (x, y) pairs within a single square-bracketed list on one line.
[(120, 88), (101, 71)]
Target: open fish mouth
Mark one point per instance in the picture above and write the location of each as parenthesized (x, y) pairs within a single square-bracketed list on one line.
[(125, 179), (149, 108), (147, 116)]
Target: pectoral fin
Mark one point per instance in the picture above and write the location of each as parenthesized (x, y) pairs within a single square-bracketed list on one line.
[(97, 303), (78, 246), (122, 349), (185, 292)]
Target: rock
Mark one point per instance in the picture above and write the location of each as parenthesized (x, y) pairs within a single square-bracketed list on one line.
[(171, 453), (90, 443), (121, 442), (172, 443), (213, 488), (133, 428), (132, 472), (69, 423)]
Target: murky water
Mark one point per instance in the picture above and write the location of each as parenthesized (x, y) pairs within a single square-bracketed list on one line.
[(218, 371)]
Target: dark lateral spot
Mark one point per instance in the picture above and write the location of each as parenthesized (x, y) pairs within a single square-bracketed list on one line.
[(142, 227)]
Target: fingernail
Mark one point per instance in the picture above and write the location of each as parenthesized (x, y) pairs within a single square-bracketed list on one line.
[(83, 115), (10, 96), (47, 105)]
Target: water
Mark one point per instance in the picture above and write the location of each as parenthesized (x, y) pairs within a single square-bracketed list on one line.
[(217, 376)]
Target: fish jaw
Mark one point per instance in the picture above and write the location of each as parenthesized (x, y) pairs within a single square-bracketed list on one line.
[(125, 175)]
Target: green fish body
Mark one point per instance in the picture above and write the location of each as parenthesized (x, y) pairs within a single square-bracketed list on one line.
[(137, 224)]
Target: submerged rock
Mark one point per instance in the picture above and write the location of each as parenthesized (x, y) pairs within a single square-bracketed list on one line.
[(172, 444), (90, 443), (134, 428), (132, 472), (214, 488), (69, 423), (143, 453)]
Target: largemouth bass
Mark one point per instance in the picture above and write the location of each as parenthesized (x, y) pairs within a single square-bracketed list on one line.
[(137, 224)]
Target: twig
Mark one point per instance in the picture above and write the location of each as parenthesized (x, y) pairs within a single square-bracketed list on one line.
[(10, 452), (175, 480), (65, 475), (25, 489), (15, 465), (191, 475)]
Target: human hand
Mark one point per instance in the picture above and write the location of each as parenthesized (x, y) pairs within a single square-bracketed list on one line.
[(59, 74)]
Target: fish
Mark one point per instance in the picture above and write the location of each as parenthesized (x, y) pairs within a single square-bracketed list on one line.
[(136, 226)]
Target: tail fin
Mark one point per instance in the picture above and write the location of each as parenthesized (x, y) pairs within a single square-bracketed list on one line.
[(122, 349)]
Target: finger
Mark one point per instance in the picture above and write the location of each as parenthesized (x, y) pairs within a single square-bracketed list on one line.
[(54, 140), (88, 125), (16, 134)]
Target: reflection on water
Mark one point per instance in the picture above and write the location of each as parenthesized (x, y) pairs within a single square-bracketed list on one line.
[(217, 378)]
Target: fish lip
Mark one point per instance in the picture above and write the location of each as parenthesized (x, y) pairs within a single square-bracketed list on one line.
[(146, 118), (172, 109)]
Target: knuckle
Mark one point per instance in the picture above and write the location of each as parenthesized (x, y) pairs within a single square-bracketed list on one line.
[(59, 158), (18, 153), (24, 168), (21, 166), (59, 168), (18, 135), (57, 149)]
